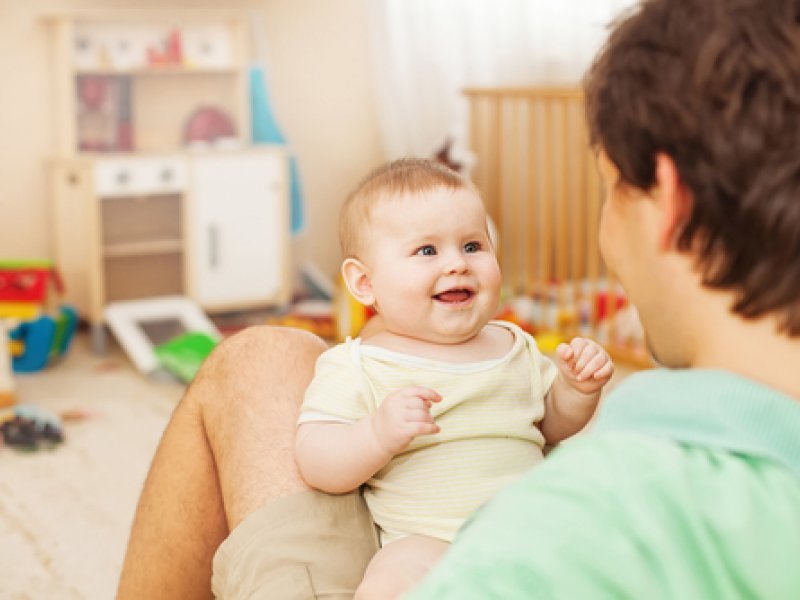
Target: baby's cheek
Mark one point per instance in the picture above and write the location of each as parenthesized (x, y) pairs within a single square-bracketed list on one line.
[(493, 276)]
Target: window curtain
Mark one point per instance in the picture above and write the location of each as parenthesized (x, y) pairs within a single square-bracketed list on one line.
[(427, 51)]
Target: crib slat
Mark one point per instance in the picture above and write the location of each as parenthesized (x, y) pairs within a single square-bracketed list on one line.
[(546, 228), (533, 273), (562, 240), (592, 194), (513, 226)]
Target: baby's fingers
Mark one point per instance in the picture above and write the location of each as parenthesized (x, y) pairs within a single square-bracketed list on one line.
[(604, 372), (423, 393), (564, 352), (419, 415), (587, 354), (596, 364), (415, 429)]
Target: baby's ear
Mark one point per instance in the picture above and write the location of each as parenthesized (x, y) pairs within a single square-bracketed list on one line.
[(356, 278)]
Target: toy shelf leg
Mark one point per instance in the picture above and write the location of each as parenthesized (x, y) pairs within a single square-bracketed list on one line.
[(99, 338)]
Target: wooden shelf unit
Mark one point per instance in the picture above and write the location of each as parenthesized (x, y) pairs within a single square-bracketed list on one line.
[(157, 218)]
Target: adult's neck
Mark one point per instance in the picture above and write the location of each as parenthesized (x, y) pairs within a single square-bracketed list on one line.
[(750, 347)]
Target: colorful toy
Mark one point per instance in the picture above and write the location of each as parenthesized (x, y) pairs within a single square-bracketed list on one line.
[(23, 287), (35, 337), (35, 343), (183, 355), (127, 320)]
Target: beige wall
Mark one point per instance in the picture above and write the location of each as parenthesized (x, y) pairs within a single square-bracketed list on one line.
[(321, 89)]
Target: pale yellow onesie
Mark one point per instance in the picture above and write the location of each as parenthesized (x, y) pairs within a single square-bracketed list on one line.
[(488, 436)]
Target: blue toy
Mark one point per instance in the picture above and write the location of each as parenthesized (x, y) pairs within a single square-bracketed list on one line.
[(43, 339)]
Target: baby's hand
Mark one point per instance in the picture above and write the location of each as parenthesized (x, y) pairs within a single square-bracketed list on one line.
[(402, 416), (584, 365)]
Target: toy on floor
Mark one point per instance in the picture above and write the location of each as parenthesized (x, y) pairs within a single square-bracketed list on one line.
[(183, 355), (129, 321), (37, 335), (35, 343), (23, 287), (28, 427)]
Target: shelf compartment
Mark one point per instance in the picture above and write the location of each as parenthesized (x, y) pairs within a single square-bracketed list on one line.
[(146, 222), (134, 277), (164, 106)]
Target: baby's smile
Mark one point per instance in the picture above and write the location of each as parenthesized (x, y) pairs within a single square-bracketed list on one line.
[(455, 296)]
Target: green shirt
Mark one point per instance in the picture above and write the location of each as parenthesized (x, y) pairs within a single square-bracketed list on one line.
[(687, 487)]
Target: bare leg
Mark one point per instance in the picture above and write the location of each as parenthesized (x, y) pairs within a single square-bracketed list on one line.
[(400, 566), (227, 451)]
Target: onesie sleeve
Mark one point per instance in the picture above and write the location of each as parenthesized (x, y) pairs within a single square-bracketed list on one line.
[(338, 391), (543, 366)]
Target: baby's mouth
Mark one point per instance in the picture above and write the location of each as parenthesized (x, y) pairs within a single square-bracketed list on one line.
[(454, 296)]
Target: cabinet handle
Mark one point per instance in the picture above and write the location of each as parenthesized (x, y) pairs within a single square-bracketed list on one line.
[(213, 246)]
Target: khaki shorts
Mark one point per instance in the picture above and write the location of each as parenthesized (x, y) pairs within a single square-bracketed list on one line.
[(303, 546)]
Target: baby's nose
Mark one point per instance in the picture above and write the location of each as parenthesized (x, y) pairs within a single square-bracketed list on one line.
[(456, 264)]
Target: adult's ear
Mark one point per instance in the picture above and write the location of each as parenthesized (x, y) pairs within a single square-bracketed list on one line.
[(674, 199), (356, 278)]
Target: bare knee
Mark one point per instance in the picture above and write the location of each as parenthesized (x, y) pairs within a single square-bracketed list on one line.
[(246, 399), (255, 359), (259, 345)]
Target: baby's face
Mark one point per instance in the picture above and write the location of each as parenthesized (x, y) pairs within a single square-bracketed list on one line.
[(434, 273)]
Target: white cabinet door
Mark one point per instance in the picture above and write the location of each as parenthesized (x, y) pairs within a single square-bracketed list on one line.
[(239, 229)]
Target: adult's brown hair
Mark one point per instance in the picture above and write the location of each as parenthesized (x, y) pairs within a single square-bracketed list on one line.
[(714, 84)]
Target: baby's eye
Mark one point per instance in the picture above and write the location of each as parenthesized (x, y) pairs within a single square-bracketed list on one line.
[(426, 251), (471, 247)]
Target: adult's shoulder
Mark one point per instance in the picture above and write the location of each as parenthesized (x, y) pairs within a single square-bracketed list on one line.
[(628, 516)]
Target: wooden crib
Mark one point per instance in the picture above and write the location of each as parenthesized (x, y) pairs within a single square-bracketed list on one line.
[(539, 180)]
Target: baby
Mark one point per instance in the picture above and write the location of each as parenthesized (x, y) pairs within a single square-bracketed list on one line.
[(442, 407)]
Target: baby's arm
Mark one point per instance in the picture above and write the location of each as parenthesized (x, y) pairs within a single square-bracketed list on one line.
[(583, 369), (339, 457)]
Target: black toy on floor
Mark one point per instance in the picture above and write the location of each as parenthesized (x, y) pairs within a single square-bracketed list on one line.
[(30, 430)]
